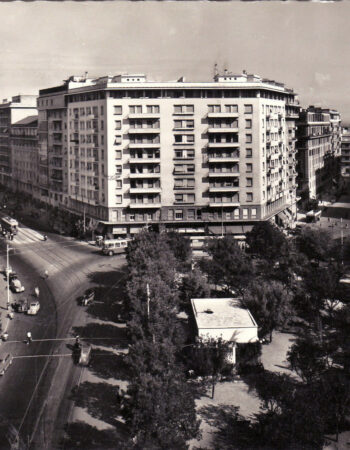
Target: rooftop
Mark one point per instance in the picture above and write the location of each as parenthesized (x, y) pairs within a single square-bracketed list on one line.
[(29, 120), (221, 313)]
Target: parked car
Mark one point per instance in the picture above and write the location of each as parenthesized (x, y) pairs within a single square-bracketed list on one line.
[(88, 297), (33, 308), (16, 285), (5, 363)]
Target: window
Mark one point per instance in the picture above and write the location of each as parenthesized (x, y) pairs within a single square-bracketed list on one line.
[(248, 123), (118, 140), (102, 125), (183, 109), (249, 196), (249, 182), (170, 214), (245, 213), (131, 217), (119, 199), (214, 108), (249, 153), (191, 214), (249, 167), (152, 109), (118, 154), (248, 138), (118, 124), (135, 109), (231, 108), (253, 213), (118, 184), (118, 109), (236, 213), (179, 214), (248, 109), (102, 110), (102, 139), (118, 169)]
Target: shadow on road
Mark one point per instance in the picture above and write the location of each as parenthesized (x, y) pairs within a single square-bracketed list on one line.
[(101, 400), (105, 364), (103, 334), (80, 435)]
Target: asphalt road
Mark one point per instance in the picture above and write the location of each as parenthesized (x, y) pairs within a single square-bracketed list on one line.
[(34, 393)]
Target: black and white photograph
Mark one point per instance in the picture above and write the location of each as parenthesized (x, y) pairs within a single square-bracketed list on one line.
[(175, 225)]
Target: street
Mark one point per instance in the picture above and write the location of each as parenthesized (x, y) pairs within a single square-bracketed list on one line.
[(32, 391)]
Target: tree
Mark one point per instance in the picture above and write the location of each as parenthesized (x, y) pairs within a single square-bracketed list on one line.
[(268, 241), (315, 244), (180, 247), (209, 358), (193, 285), (270, 305), (228, 265)]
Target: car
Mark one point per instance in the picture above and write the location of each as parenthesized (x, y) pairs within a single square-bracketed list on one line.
[(88, 297), (13, 276), (16, 286), (85, 354)]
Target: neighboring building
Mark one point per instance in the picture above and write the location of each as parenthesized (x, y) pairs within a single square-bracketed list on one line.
[(216, 155), (224, 318), (345, 154), (24, 150), (53, 144), (318, 146), (12, 111)]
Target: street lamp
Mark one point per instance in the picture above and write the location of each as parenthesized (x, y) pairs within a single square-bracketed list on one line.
[(8, 248)]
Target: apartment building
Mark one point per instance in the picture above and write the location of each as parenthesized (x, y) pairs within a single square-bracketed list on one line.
[(345, 154), (53, 143), (319, 149), (24, 155), (12, 111), (213, 156)]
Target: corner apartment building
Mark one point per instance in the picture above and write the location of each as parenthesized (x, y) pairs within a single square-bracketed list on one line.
[(24, 155), (345, 154), (212, 156), (319, 149), (12, 111)]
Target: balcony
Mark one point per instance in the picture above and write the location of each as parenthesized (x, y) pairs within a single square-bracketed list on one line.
[(145, 190), (144, 130), (223, 188), (144, 116), (144, 175), (223, 144), (214, 115), (144, 205), (223, 204), (223, 130), (223, 174), (223, 159), (144, 160), (144, 145)]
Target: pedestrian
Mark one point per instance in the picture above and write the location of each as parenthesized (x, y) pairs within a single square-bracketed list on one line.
[(11, 315), (29, 337), (5, 336), (37, 292)]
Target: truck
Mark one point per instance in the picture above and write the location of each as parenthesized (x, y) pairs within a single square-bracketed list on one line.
[(5, 363)]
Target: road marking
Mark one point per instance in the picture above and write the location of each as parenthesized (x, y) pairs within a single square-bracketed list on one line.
[(41, 356)]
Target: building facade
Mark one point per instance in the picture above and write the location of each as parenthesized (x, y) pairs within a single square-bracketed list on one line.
[(24, 154), (198, 155), (12, 111), (319, 149), (345, 154)]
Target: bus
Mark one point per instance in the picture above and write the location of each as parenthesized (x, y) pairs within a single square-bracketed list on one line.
[(9, 224), (111, 247)]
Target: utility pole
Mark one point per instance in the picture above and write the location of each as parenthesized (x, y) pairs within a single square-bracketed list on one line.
[(8, 248)]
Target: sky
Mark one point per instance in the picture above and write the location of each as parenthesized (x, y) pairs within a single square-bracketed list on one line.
[(305, 45)]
